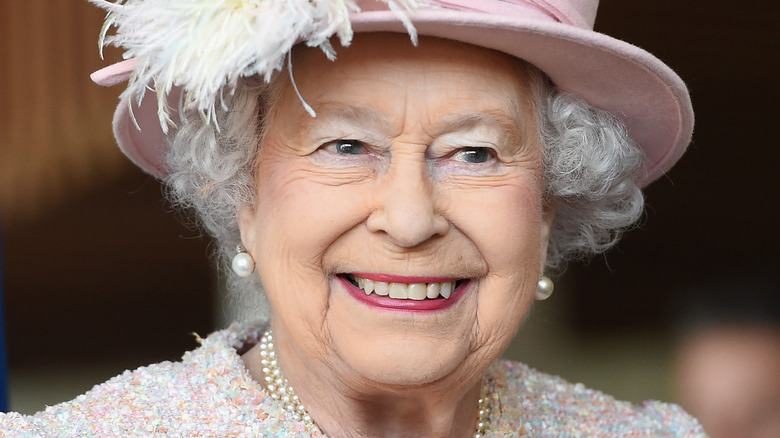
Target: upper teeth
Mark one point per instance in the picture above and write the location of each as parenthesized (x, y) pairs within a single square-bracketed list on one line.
[(405, 291)]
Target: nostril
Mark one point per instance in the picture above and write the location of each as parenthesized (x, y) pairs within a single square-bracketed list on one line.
[(408, 229)]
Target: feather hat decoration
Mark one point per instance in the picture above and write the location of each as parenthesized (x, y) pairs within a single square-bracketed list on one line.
[(205, 46)]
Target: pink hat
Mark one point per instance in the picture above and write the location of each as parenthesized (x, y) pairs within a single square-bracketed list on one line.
[(554, 35)]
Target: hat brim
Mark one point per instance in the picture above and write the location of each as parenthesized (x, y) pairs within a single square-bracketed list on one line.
[(635, 86)]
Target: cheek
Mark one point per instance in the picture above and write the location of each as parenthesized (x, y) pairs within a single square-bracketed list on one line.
[(300, 216), (506, 229), (506, 225)]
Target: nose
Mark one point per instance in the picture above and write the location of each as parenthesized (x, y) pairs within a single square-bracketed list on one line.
[(406, 209)]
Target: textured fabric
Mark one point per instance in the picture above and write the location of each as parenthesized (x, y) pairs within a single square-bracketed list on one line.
[(210, 393)]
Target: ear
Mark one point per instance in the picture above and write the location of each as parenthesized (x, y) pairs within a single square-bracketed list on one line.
[(548, 215), (247, 228)]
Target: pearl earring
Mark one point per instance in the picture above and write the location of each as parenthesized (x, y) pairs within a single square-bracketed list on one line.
[(544, 288), (243, 264)]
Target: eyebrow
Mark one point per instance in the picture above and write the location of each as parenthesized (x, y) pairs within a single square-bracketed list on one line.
[(513, 130), (463, 122), (357, 115)]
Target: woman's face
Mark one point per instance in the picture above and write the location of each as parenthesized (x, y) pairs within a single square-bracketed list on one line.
[(420, 173)]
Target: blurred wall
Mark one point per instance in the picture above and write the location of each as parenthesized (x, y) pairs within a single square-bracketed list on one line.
[(98, 269), (54, 122), (96, 266)]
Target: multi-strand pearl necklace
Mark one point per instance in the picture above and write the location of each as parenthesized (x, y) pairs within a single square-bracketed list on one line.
[(279, 389)]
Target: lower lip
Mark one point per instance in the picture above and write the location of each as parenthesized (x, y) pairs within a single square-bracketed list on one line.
[(386, 303)]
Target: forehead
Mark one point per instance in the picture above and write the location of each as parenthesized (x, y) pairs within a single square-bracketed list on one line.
[(377, 67)]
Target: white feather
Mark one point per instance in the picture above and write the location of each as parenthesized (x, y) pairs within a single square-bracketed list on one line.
[(205, 46)]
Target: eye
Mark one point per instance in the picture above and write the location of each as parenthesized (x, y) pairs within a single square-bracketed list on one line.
[(346, 153), (474, 155), (348, 147)]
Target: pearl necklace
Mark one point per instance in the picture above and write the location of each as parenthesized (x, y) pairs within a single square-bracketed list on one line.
[(279, 389)]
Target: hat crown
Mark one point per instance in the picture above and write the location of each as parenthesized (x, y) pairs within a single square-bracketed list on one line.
[(578, 13)]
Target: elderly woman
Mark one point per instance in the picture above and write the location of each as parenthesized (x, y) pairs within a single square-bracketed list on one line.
[(398, 205)]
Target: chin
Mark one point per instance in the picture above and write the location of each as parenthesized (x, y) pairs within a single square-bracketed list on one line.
[(403, 347), (403, 359), (397, 349)]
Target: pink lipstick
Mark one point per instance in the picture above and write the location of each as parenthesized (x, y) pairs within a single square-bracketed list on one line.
[(349, 282)]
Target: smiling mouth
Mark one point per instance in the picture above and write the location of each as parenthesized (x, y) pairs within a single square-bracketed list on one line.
[(404, 291)]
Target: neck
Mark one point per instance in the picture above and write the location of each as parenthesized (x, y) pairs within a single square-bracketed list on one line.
[(344, 405), (396, 413)]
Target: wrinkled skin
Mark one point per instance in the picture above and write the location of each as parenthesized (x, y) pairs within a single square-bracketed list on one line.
[(442, 177)]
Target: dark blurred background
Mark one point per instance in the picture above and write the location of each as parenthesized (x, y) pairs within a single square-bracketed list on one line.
[(99, 270)]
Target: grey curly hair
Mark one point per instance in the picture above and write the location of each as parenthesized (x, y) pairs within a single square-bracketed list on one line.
[(589, 166)]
